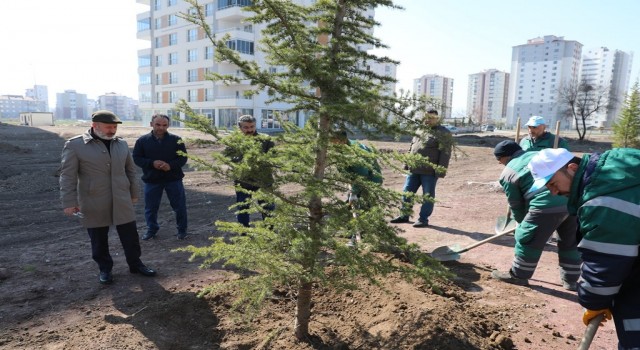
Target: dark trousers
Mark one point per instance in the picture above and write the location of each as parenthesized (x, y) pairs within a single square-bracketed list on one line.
[(177, 200), (128, 234), (244, 218)]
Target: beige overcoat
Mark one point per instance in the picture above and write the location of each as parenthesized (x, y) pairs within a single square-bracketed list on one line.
[(100, 182)]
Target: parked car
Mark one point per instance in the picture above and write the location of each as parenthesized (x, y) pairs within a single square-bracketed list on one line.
[(488, 128), (451, 129)]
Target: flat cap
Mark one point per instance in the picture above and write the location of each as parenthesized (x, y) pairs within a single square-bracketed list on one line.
[(104, 116)]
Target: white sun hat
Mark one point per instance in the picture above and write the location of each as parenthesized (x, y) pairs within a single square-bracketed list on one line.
[(544, 164)]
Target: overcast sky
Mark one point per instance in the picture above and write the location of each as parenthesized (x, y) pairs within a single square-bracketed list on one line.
[(90, 45)]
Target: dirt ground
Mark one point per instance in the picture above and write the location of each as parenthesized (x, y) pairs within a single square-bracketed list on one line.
[(50, 297)]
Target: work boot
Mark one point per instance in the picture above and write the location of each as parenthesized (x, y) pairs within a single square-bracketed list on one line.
[(506, 276), (421, 223), (399, 220), (571, 286)]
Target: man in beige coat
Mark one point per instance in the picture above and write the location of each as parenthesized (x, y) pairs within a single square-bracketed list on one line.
[(98, 184)]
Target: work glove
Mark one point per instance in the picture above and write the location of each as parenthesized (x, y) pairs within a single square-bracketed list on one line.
[(590, 314)]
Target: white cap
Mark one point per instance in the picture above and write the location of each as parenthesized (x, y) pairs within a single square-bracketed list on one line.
[(536, 121), (544, 164)]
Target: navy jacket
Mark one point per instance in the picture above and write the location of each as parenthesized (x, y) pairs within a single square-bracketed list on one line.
[(149, 148)]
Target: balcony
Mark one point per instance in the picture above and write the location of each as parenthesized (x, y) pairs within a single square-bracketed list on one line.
[(232, 13), (233, 100)]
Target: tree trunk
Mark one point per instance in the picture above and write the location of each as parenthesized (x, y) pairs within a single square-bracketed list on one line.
[(303, 311)]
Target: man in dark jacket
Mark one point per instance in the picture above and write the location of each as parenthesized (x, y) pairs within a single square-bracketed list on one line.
[(604, 191), (98, 184), (157, 153), (538, 215), (260, 175), (436, 146)]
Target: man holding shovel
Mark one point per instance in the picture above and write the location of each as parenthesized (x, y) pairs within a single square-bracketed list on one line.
[(604, 191), (538, 214)]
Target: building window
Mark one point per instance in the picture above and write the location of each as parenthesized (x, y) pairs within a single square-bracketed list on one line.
[(208, 53), (223, 4), (192, 95), (173, 97), (173, 58), (208, 94), (241, 46), (157, 43), (171, 2), (144, 24), (173, 39), (208, 9), (192, 75), (144, 96), (144, 61), (228, 117), (156, 4), (144, 79), (158, 61), (192, 35), (173, 20), (173, 78), (271, 118), (192, 55), (158, 97)]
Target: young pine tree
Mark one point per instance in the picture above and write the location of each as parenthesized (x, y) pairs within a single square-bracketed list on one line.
[(301, 243), (626, 130)]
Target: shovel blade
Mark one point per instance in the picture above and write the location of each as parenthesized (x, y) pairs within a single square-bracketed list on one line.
[(446, 253), (504, 223)]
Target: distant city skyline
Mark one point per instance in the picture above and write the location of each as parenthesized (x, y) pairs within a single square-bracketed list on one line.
[(91, 47)]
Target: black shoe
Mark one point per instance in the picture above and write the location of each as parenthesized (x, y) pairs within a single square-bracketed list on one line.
[(506, 276), (420, 223), (106, 278), (147, 236), (399, 220), (181, 236), (142, 269)]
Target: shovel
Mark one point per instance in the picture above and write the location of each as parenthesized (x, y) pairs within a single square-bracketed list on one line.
[(590, 332), (449, 253)]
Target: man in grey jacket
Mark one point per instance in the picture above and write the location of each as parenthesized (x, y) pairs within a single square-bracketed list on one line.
[(435, 145), (98, 184)]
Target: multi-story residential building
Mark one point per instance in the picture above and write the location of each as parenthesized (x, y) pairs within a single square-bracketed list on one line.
[(40, 93), (124, 107), (439, 87), (71, 105), (180, 57), (12, 105), (487, 96), (538, 70), (611, 71)]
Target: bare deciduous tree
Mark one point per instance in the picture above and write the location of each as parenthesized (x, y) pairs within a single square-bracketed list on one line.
[(580, 100)]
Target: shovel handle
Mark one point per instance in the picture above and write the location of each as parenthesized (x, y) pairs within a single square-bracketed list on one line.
[(557, 136), (486, 240), (590, 332)]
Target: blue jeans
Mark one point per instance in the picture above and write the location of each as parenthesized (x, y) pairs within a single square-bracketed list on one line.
[(177, 200), (411, 184), (244, 218)]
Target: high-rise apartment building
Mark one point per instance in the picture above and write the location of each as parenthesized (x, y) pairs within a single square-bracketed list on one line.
[(610, 70), (487, 96), (180, 57), (436, 86), (71, 105), (124, 107), (39, 93), (12, 105), (538, 70)]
